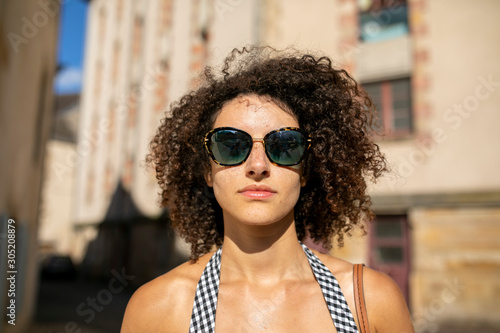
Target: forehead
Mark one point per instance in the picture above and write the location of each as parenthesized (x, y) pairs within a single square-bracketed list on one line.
[(254, 113)]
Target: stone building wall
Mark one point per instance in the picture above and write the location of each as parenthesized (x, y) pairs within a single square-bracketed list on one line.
[(27, 68), (456, 268)]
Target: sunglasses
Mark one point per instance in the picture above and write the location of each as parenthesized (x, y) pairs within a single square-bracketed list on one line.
[(230, 146)]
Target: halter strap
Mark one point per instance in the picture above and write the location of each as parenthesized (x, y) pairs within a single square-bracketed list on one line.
[(205, 301), (334, 298)]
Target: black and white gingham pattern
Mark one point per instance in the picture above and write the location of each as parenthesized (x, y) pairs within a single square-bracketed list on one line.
[(335, 300), (205, 301)]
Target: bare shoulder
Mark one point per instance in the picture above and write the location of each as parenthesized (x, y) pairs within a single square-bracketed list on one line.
[(385, 304), (341, 269), (165, 303)]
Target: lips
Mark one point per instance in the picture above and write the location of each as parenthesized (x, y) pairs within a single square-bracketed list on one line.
[(257, 192)]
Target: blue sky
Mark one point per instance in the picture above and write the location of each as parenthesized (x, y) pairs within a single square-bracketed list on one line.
[(71, 46)]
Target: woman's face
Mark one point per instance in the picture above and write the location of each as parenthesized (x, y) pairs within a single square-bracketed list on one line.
[(256, 192)]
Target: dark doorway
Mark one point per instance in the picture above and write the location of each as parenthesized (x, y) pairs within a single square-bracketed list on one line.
[(390, 248)]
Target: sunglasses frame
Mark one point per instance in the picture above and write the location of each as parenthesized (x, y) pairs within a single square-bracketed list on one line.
[(208, 136)]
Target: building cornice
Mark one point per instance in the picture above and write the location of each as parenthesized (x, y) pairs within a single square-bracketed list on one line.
[(402, 203)]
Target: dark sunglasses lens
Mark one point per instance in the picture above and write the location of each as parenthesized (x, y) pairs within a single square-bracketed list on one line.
[(230, 147), (286, 147)]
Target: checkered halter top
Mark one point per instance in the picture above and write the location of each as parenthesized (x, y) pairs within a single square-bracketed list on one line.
[(205, 301)]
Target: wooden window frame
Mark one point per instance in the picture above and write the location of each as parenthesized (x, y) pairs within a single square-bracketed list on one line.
[(387, 111), (404, 241)]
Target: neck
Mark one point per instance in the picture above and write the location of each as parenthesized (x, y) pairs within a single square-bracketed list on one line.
[(264, 254)]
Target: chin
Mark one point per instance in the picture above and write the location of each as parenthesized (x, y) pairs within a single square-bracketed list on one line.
[(259, 218), (259, 222)]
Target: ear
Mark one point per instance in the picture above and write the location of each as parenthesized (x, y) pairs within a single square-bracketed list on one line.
[(208, 178)]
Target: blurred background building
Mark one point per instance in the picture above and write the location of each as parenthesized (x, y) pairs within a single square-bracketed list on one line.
[(27, 66), (431, 68)]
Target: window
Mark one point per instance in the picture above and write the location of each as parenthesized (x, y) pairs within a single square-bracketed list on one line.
[(390, 248), (137, 36), (392, 99), (382, 19)]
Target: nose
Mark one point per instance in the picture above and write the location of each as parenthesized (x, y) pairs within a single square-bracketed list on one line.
[(258, 165)]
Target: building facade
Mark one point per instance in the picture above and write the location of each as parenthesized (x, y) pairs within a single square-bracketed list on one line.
[(431, 68), (55, 231), (27, 67)]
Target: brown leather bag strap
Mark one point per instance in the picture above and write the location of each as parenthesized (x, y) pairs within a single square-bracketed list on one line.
[(359, 299)]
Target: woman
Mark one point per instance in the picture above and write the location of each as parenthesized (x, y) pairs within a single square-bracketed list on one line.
[(273, 152)]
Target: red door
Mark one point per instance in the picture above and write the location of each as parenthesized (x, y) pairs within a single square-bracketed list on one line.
[(390, 248)]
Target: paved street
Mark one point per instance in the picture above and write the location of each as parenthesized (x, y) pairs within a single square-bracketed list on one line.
[(89, 305)]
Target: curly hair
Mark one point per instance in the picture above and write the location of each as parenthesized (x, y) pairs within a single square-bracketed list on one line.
[(327, 103)]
